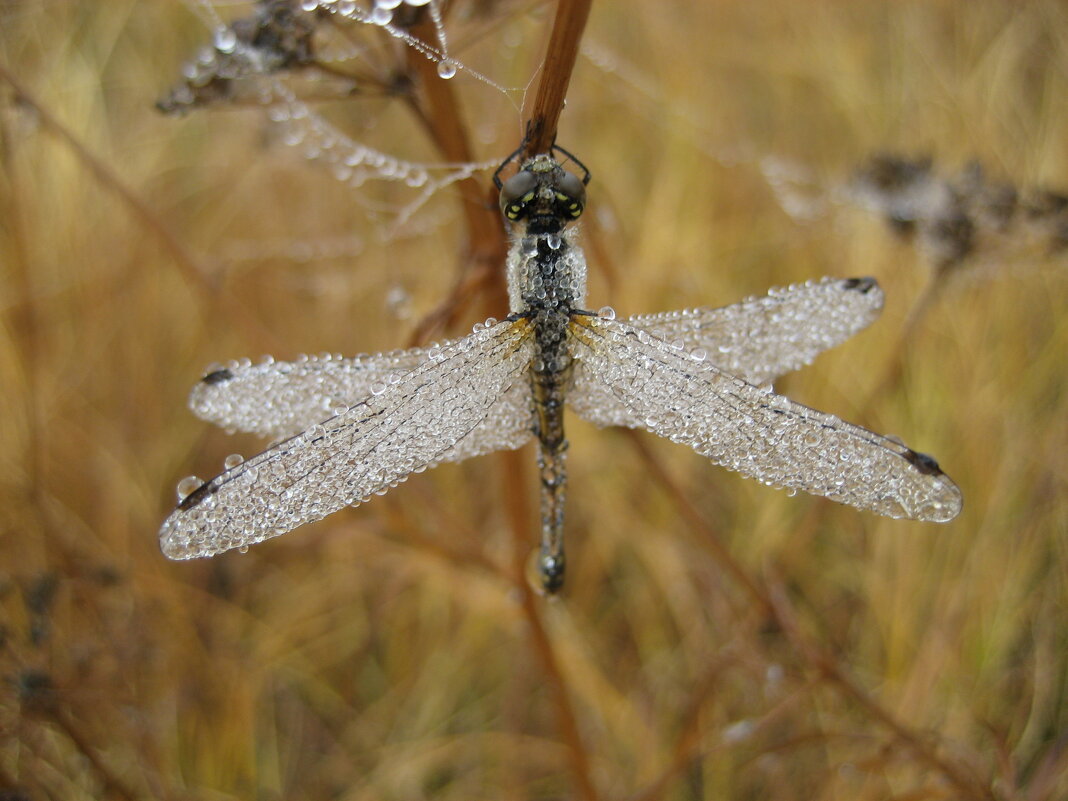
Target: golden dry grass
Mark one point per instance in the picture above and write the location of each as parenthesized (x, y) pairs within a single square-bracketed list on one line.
[(386, 653)]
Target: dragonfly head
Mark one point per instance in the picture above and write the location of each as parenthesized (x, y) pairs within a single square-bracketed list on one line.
[(543, 194)]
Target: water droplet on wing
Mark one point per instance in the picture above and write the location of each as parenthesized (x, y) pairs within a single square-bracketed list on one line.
[(187, 486)]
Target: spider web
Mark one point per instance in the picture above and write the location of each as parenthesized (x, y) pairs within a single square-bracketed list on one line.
[(288, 56)]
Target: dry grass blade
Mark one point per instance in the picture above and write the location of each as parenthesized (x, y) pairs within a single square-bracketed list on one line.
[(397, 650)]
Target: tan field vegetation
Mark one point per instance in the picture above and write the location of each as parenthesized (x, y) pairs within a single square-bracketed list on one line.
[(717, 638)]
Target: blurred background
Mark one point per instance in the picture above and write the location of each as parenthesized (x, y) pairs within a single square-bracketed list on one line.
[(717, 638)]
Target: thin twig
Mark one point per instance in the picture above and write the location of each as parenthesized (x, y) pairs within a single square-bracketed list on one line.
[(567, 30), (570, 22), (439, 109), (566, 720), (24, 319)]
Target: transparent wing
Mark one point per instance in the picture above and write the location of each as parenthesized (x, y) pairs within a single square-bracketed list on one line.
[(345, 460), (754, 431), (280, 399), (761, 338), (758, 339)]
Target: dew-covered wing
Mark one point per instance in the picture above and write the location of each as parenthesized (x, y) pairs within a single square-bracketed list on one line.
[(754, 431), (758, 339), (761, 338), (348, 458), (280, 399)]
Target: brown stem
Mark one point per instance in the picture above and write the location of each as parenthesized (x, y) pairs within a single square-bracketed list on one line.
[(24, 317), (570, 22), (565, 713), (439, 109), (485, 257)]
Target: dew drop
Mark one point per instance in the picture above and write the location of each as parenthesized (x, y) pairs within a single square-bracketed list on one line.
[(378, 388), (607, 313), (233, 460), (446, 69), (553, 241), (242, 549), (187, 486), (382, 16), (309, 5), (225, 40), (698, 354)]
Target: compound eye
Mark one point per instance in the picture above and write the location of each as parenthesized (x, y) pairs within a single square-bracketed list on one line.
[(516, 192), (571, 194)]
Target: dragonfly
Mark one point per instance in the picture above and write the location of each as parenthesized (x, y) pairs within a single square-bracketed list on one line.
[(353, 428)]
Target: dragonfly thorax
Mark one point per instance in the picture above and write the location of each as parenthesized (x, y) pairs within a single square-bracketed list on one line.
[(546, 273), (546, 268)]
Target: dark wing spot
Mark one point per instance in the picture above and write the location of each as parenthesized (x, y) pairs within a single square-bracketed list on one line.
[(218, 377), (197, 495), (861, 285), (922, 462)]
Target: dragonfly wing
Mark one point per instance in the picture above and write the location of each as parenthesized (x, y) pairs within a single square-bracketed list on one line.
[(508, 425), (761, 338), (412, 424), (753, 431), (280, 399), (758, 339)]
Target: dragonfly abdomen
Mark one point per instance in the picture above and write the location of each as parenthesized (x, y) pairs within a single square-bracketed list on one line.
[(549, 375)]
